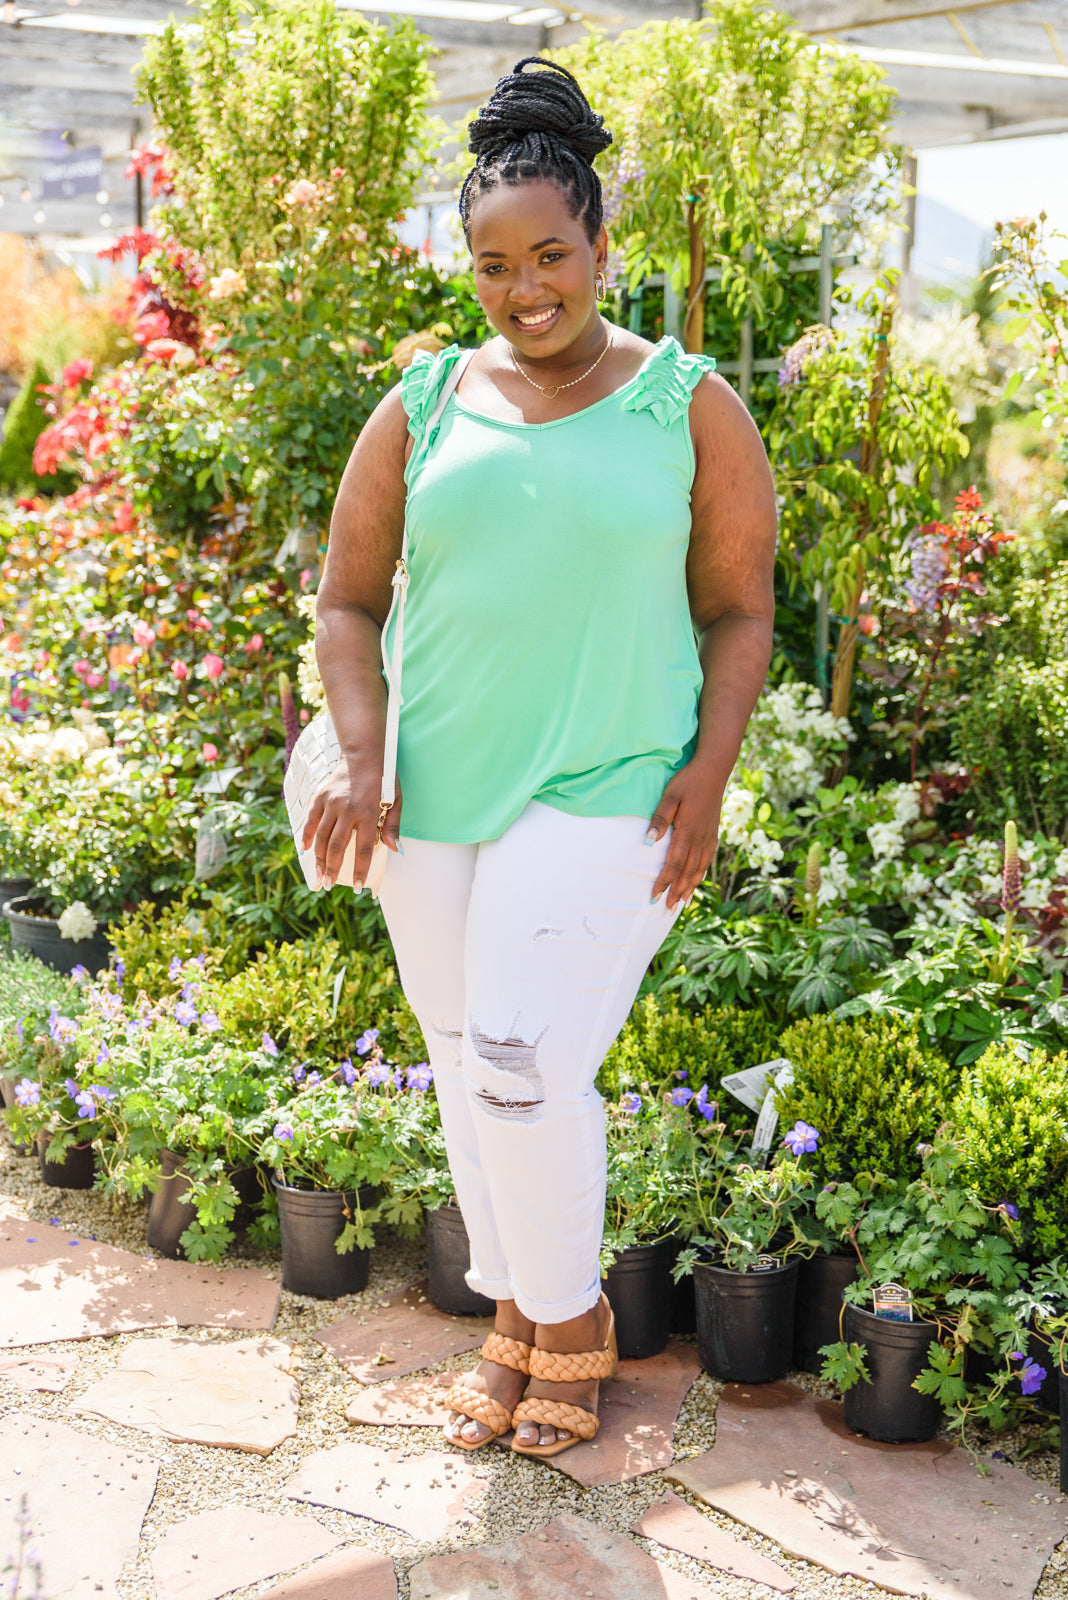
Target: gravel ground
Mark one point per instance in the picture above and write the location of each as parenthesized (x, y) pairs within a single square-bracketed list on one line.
[(525, 1495)]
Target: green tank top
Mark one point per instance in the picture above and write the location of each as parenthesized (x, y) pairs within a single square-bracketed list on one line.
[(549, 652)]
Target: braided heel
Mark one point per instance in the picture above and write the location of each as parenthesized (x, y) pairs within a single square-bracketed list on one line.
[(482, 1407), (565, 1366)]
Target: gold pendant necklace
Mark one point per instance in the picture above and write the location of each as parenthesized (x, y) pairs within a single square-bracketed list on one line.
[(551, 393)]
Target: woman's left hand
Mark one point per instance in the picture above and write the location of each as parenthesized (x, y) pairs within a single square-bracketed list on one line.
[(690, 806)]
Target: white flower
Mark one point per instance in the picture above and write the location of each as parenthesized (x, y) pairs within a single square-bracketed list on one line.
[(886, 839), (69, 744), (905, 801), (77, 921), (1034, 895), (835, 878), (106, 766), (736, 815), (1060, 866), (228, 282), (762, 852)]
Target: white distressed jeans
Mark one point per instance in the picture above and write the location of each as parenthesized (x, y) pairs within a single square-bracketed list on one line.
[(521, 958)]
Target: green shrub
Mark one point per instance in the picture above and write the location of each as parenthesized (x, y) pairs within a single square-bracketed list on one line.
[(1010, 1121), (24, 424), (662, 1038), (870, 1088), (147, 940)]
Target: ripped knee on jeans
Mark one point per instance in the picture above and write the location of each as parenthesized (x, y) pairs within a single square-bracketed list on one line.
[(513, 1088)]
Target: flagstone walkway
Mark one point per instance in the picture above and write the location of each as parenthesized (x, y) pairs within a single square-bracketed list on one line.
[(175, 1432)]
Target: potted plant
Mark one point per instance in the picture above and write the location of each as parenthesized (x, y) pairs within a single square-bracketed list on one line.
[(60, 1108), (28, 992), (332, 1149), (420, 1182), (663, 1149), (901, 1367), (745, 1265), (1044, 1307)]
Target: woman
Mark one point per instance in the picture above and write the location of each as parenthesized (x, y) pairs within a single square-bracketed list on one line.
[(587, 503)]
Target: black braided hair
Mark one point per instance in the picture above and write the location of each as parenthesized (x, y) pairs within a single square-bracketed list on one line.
[(538, 125)]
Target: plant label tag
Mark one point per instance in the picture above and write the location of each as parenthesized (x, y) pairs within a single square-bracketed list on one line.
[(765, 1264), (751, 1085), (768, 1120), (893, 1301)]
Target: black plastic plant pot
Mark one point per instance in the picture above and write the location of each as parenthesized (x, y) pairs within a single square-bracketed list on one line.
[(888, 1408), (38, 935), (640, 1291), (170, 1213), (1063, 1381), (683, 1305), (250, 1193), (449, 1250), (820, 1282), (311, 1221), (77, 1170), (745, 1321), (13, 889)]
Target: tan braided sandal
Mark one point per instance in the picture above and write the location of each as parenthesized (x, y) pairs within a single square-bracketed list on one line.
[(481, 1407), (559, 1366)]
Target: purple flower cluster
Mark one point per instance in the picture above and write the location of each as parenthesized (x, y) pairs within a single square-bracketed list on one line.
[(1010, 878), (107, 1004), (88, 1099), (797, 357), (61, 1029), (630, 172), (927, 562)]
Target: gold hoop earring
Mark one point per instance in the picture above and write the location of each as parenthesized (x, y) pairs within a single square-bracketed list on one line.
[(600, 286)]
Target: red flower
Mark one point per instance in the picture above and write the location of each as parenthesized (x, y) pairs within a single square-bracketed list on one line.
[(154, 325), (76, 371), (136, 242)]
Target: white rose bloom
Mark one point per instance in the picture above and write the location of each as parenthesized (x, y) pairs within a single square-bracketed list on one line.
[(77, 921), (96, 738), (69, 744), (83, 717)]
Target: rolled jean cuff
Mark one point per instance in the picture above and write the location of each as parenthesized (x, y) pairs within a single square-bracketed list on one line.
[(492, 1288), (562, 1311)]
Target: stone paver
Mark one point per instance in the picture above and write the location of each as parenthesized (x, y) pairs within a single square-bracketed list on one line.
[(568, 1559), (417, 1404), (56, 1286), (76, 1502), (916, 1518), (638, 1411), (49, 1374), (210, 1554), (240, 1395), (398, 1334), (349, 1574), (430, 1496), (671, 1522)]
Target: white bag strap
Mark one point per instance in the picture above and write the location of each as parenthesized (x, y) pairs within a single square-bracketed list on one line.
[(393, 658)]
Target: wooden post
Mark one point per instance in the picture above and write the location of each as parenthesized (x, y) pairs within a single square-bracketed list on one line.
[(693, 328)]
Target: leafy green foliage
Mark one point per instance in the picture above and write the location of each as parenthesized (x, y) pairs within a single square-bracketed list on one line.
[(23, 425), (1010, 1119), (663, 1044), (871, 1089), (757, 1212)]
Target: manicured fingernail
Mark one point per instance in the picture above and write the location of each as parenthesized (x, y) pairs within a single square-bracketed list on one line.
[(357, 886), (328, 880), (400, 848), (654, 899), (651, 836), (318, 880)]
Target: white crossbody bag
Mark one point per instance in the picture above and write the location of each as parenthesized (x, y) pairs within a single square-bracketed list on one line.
[(318, 750)]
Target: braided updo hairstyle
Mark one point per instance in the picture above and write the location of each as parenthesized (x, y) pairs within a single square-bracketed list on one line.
[(538, 125)]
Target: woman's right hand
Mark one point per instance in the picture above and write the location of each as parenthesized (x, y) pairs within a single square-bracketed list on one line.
[(348, 802)]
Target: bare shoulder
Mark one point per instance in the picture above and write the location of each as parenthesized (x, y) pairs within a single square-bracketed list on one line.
[(719, 421)]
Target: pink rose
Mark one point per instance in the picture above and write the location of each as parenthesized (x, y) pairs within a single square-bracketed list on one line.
[(76, 371), (302, 193), (254, 644), (210, 752), (214, 665), (94, 680), (144, 635), (180, 670), (81, 668), (303, 713)]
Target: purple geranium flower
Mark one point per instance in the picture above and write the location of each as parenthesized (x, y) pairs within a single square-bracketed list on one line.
[(109, 1005), (681, 1097), (85, 1103), (346, 1072), (1011, 1211), (282, 1131), (102, 1093), (630, 1103), (27, 1093), (62, 1029), (209, 1022), (268, 1046), (366, 1041), (802, 1139), (19, 1030), (314, 1078), (79, 973), (1032, 1377), (398, 1078), (420, 1077), (175, 968), (708, 1108), (185, 1013), (120, 971), (102, 1055), (300, 1072), (377, 1074)]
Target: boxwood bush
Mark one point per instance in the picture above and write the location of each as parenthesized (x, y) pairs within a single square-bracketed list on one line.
[(662, 1039), (870, 1087), (1010, 1119)]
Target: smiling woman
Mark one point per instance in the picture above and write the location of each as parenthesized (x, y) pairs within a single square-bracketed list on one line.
[(589, 526)]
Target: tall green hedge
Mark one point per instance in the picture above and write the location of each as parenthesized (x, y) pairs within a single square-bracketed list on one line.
[(23, 426)]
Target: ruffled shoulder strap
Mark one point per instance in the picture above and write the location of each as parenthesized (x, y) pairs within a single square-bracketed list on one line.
[(666, 382), (421, 384)]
